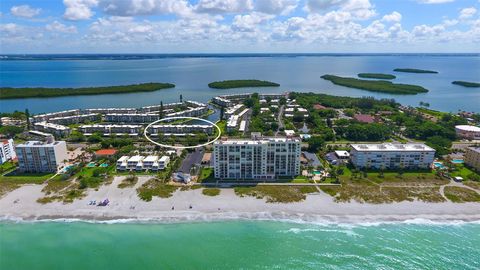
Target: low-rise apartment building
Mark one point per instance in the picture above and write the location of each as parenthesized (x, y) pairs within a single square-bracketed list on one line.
[(7, 151), (58, 130), (142, 163), (155, 129), (262, 158), (48, 116), (41, 157), (472, 157), (392, 156), (75, 119), (107, 130)]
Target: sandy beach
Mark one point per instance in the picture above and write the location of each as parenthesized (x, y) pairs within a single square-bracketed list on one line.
[(21, 204)]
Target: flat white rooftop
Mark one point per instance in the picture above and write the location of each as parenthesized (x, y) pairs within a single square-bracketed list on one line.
[(468, 128), (256, 142), (342, 153), (390, 147), (150, 159), (136, 159)]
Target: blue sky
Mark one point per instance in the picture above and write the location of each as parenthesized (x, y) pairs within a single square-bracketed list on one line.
[(176, 26)]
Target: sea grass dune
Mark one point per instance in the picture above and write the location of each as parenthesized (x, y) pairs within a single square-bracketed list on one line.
[(21, 204)]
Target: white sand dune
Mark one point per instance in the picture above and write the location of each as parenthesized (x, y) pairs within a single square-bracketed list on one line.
[(125, 205)]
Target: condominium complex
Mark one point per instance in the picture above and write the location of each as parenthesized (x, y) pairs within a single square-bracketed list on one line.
[(142, 163), (107, 130), (263, 158), (155, 129), (47, 116), (391, 156), (55, 129), (38, 157), (468, 132), (472, 157), (7, 151), (75, 119)]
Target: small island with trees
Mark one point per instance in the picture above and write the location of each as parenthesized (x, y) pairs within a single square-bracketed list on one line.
[(44, 92), (241, 83), (414, 70), (376, 86), (467, 84), (380, 76)]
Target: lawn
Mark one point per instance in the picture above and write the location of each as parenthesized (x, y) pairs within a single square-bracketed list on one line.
[(464, 172), (461, 195), (206, 175), (7, 166)]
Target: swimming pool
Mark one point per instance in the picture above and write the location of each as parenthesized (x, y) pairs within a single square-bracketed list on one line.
[(103, 165), (438, 165), (457, 161), (91, 164)]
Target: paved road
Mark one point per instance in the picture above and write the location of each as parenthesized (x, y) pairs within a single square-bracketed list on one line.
[(281, 125), (190, 160)]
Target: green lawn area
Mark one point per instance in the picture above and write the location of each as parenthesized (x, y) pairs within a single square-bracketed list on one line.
[(206, 175), (223, 126), (464, 172), (7, 166)]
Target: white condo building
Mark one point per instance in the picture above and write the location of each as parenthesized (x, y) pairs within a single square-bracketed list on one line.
[(7, 151), (38, 157), (391, 156), (265, 158)]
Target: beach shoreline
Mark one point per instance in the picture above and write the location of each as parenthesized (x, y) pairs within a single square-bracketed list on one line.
[(192, 206)]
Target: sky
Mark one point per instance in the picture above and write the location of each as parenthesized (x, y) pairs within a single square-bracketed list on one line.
[(239, 26)]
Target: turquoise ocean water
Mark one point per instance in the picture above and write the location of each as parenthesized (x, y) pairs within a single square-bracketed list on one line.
[(238, 245), (191, 76)]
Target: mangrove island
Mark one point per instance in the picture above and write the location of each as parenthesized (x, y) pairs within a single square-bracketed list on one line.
[(414, 70), (466, 84), (376, 86), (380, 76), (241, 83), (43, 92)]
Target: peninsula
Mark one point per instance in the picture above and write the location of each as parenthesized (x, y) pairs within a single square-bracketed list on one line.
[(467, 84), (414, 70), (43, 92), (241, 83), (377, 76), (376, 86)]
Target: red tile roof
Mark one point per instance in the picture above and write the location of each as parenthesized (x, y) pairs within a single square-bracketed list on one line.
[(319, 107), (364, 118), (106, 152)]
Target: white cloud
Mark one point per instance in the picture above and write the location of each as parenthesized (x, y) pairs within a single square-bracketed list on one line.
[(249, 22), (282, 7), (61, 28), (25, 11), (224, 6), (359, 9), (434, 1), (392, 17), (467, 13), (79, 9), (145, 7)]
